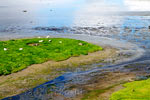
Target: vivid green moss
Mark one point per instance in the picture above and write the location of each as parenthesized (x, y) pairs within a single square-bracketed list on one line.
[(16, 55), (137, 90)]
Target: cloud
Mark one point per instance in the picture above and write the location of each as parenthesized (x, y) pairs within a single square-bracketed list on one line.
[(137, 5)]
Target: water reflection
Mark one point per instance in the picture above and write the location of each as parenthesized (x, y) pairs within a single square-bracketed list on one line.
[(69, 13), (99, 13), (40, 12), (93, 17), (108, 13)]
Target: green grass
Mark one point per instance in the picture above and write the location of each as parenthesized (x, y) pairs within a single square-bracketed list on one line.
[(12, 59), (137, 90)]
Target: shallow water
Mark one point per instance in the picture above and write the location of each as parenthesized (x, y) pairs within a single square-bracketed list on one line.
[(122, 19), (125, 20)]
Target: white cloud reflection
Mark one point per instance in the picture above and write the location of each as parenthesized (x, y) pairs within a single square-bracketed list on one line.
[(97, 13)]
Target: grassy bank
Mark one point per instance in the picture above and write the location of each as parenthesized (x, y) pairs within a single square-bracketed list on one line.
[(37, 74), (137, 90), (105, 85), (16, 55)]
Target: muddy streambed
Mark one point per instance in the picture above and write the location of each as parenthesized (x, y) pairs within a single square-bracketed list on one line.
[(122, 24)]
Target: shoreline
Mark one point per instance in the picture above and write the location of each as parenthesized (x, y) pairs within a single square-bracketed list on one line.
[(124, 47), (22, 81), (37, 74)]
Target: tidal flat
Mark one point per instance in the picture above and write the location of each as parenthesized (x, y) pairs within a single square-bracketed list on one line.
[(119, 26), (37, 74)]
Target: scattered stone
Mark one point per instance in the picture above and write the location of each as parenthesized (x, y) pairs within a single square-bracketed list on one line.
[(148, 68), (5, 49), (24, 10), (60, 42), (80, 44), (33, 44), (48, 36), (36, 44), (20, 49), (40, 41)]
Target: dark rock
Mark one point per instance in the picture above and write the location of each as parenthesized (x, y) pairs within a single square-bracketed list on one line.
[(148, 68), (24, 10)]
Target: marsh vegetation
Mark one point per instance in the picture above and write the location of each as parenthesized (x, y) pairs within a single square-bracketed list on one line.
[(19, 54)]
